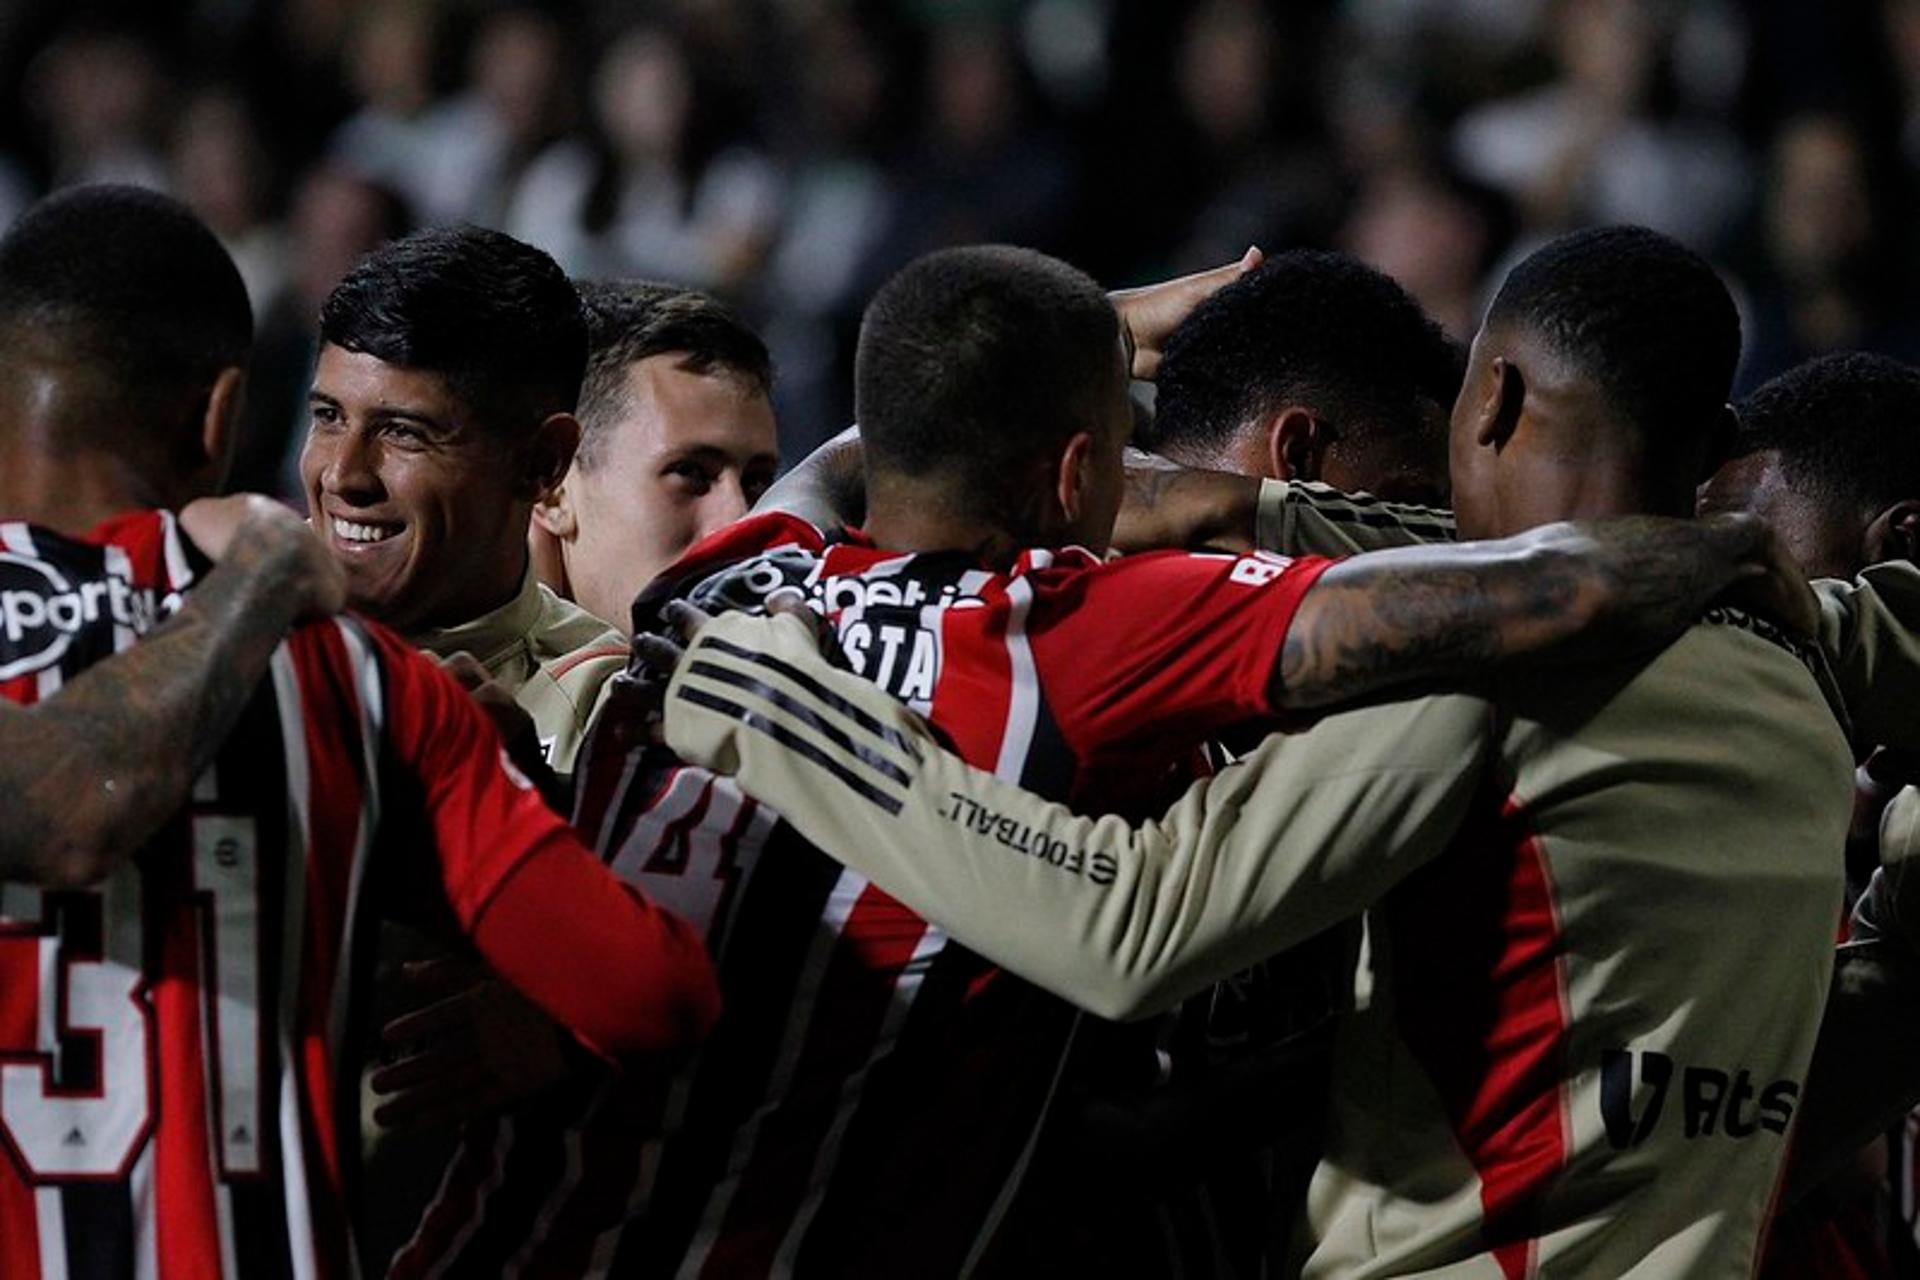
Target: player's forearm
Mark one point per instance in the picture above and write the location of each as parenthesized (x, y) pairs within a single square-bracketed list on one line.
[(1121, 919), (88, 775), (827, 488), (1451, 613), (1167, 506)]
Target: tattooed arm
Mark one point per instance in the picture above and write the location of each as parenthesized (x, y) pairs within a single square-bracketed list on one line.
[(92, 772), (1445, 612)]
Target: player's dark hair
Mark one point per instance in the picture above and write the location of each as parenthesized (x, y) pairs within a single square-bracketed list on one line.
[(972, 362), (1846, 427), (629, 320), (1642, 315), (496, 318), (133, 289), (1308, 327)]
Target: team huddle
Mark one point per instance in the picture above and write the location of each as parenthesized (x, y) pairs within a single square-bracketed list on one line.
[(1207, 780)]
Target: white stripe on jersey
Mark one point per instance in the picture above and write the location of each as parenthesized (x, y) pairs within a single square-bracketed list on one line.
[(122, 568), (1023, 703), (146, 1226), (629, 767), (1015, 1176), (179, 572), (905, 989), (569, 1179), (502, 1143), (833, 920), (293, 1150), (50, 1215)]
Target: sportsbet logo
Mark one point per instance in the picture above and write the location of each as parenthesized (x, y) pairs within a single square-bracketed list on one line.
[(41, 612)]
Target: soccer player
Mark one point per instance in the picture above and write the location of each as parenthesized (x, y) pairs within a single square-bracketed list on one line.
[(1559, 1057), (875, 1101), (676, 440), (175, 1039), (442, 410), (1312, 366)]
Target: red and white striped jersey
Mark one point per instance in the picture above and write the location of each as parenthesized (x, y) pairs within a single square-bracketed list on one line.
[(873, 1094), (173, 1102)]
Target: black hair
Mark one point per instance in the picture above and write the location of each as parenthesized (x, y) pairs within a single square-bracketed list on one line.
[(1318, 329), (972, 362), (496, 318), (1642, 315), (629, 320), (1846, 427), (132, 287)]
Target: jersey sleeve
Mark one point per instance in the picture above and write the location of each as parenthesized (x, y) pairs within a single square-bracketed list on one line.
[(1166, 645), (1870, 636), (1301, 518), (1122, 919), (625, 975)]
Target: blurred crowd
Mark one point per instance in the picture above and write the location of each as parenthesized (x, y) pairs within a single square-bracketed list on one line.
[(788, 155)]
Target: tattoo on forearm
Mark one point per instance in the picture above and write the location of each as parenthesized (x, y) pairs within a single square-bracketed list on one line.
[(105, 761)]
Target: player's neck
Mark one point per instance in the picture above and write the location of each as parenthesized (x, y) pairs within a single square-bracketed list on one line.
[(906, 522), (72, 494), (1590, 492)]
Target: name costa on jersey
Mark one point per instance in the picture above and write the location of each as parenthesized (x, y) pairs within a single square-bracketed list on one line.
[(42, 610)]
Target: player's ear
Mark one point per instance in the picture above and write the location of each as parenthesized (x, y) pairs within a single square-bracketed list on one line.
[(220, 420), (1500, 397), (1074, 478), (1894, 534), (1296, 443), (549, 454), (553, 511)]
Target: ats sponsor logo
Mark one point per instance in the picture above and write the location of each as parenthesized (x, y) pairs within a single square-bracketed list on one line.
[(1708, 1100), (41, 611)]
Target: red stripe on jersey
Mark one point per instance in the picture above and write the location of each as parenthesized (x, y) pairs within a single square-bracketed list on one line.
[(972, 700), (855, 996), (188, 1229), (1478, 954), (19, 1025)]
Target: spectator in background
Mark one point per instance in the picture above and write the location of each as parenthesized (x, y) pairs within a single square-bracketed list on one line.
[(98, 95), (1438, 235), (1833, 276), (221, 171), (676, 441), (1593, 146), (513, 107), (646, 193), (840, 201), (389, 62)]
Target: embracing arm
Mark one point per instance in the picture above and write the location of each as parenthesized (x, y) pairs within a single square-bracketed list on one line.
[(88, 775), (1568, 591), (1121, 919)]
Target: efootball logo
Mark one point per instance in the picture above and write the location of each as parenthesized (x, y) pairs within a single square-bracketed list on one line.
[(41, 612)]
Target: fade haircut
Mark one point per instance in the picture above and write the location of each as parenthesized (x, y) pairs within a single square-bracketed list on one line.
[(630, 320), (1646, 318), (1846, 427), (496, 318), (1306, 327), (132, 287), (973, 362)]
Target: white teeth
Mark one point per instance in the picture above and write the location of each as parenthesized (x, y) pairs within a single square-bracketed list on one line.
[(351, 532)]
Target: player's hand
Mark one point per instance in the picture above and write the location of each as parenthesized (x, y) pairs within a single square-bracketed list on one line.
[(478, 1045), (1151, 313), (246, 529), (518, 732), (1169, 506), (1768, 581)]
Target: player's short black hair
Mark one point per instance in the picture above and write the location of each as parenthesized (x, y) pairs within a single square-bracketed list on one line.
[(1846, 427), (1307, 327), (133, 288), (1646, 318), (496, 318), (629, 320), (974, 361)]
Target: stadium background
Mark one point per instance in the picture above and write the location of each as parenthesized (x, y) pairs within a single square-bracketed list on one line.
[(789, 154)]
